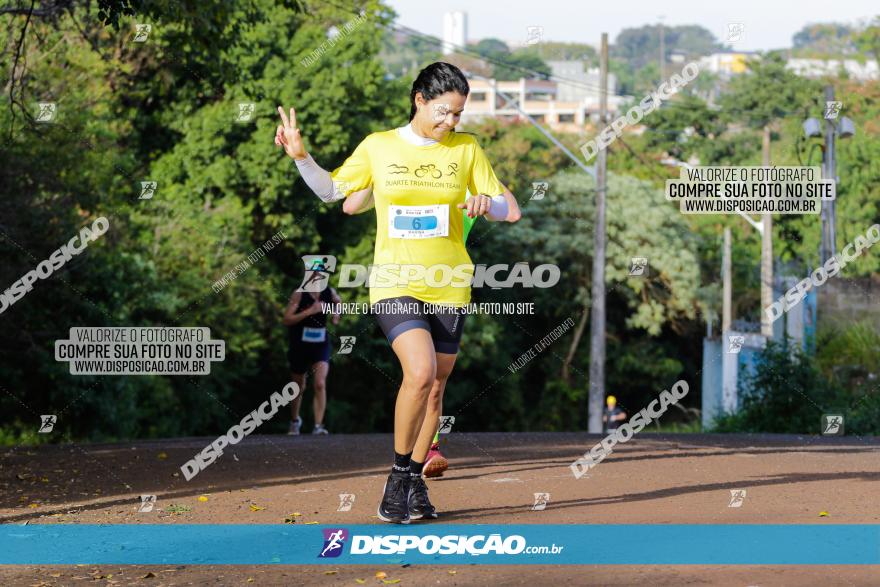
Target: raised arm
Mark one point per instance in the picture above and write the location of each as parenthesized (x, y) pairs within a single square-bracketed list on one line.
[(288, 136), (317, 178)]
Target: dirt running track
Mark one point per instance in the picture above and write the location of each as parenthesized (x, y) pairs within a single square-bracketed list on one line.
[(650, 480)]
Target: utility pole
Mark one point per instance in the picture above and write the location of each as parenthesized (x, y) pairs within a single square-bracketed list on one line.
[(829, 237), (727, 287), (766, 252), (596, 398), (662, 53)]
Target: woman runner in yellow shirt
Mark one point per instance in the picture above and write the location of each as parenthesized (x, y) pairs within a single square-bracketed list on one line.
[(418, 192), (434, 461)]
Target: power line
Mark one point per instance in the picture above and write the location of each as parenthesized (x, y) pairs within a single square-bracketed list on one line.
[(551, 77), (434, 40), (498, 62), (640, 158), (467, 52), (491, 60)]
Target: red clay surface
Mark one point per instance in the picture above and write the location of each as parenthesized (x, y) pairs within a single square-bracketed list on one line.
[(652, 479)]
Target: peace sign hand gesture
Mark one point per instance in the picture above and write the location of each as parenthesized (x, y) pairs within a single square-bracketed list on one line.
[(288, 136)]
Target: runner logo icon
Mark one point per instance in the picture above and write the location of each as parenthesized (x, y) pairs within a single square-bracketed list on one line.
[(735, 31), (539, 189), (446, 423), (346, 500), (148, 188), (346, 345), (318, 271), (832, 425), (541, 501), (334, 540), (245, 111), (737, 497), (47, 424), (736, 343), (638, 266), (832, 109), (47, 111), (142, 33), (147, 503)]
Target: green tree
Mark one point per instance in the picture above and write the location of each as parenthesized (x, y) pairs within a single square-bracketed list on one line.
[(823, 39), (683, 127), (510, 66), (557, 51), (783, 394), (492, 48), (640, 46), (868, 39), (768, 93), (134, 112), (517, 65), (404, 55)]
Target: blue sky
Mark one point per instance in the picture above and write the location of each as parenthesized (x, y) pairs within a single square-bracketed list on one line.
[(768, 24)]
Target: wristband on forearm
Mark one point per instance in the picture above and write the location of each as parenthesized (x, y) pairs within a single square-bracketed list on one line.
[(498, 209)]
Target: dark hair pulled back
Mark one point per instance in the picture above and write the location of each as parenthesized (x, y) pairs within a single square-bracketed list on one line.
[(436, 79)]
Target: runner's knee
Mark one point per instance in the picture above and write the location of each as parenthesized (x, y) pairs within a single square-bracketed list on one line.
[(421, 378), (443, 372), (435, 398), (320, 385)]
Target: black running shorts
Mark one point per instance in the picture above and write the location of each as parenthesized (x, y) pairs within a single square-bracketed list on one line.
[(301, 356), (397, 315)]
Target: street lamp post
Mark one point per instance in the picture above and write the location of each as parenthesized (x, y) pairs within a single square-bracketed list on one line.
[(845, 128)]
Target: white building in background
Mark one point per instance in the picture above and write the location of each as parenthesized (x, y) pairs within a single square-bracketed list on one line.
[(813, 68), (454, 31), (731, 63), (540, 99), (576, 85), (726, 63)]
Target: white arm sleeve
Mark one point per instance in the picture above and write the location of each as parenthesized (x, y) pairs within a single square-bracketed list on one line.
[(319, 180), (498, 210)]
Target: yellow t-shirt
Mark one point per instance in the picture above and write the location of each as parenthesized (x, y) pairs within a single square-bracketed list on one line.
[(416, 190)]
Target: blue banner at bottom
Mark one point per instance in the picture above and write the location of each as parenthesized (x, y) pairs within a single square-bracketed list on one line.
[(455, 544)]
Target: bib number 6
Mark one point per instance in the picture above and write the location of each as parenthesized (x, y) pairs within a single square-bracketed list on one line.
[(417, 223)]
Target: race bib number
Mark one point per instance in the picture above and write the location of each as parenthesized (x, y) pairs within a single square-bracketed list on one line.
[(311, 334), (418, 221)]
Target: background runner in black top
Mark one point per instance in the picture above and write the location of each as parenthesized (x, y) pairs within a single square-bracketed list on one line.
[(319, 320), (309, 351)]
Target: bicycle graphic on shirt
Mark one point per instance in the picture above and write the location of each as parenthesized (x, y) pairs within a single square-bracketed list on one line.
[(428, 168)]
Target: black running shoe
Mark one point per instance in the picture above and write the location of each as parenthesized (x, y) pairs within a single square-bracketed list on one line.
[(394, 506), (419, 504)]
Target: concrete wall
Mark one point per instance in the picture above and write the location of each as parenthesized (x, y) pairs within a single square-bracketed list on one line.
[(844, 301), (722, 370), (711, 381)]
